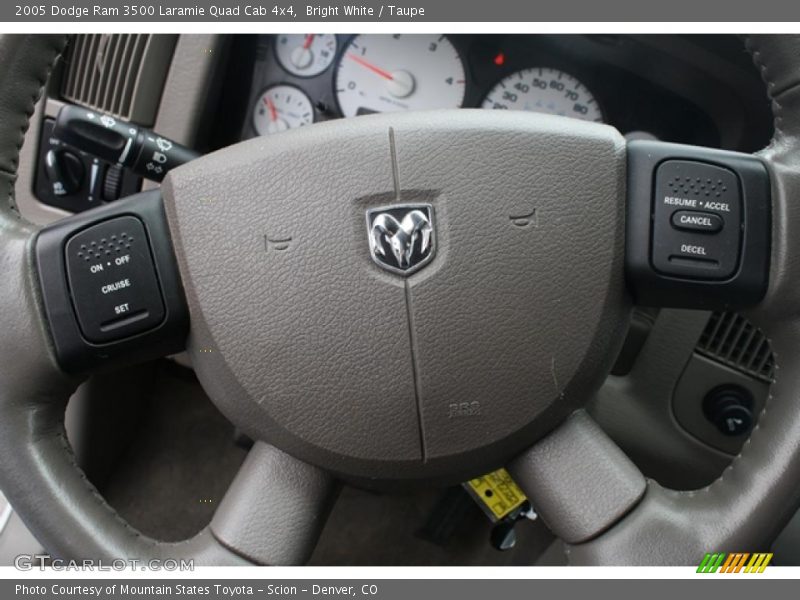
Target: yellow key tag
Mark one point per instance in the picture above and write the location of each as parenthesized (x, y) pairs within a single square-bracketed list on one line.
[(496, 493)]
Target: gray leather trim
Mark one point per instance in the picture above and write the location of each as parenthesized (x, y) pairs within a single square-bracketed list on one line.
[(38, 471), (777, 57), (604, 484)]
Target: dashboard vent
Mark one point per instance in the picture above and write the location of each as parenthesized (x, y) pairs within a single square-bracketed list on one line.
[(120, 74), (731, 339)]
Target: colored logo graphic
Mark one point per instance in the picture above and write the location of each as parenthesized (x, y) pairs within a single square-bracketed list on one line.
[(735, 562)]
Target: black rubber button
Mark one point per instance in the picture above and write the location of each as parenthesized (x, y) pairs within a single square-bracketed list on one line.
[(734, 420), (730, 408), (693, 220)]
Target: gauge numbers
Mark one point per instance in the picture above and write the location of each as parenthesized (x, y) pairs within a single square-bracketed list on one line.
[(545, 90), (281, 107), (305, 55), (382, 73)]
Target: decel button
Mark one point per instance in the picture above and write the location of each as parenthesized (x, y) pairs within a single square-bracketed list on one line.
[(691, 220), (112, 280)]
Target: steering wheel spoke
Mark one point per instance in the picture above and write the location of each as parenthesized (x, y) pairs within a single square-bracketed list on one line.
[(579, 481), (275, 508)]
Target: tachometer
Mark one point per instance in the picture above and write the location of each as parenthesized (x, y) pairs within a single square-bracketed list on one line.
[(545, 90), (381, 73), (305, 55), (281, 107)]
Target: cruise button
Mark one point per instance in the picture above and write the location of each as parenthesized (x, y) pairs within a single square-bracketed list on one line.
[(692, 220)]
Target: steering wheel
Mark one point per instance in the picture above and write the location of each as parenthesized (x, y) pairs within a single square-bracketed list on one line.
[(462, 329)]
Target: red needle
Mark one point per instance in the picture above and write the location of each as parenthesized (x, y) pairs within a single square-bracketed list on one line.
[(273, 114), (309, 39), (371, 67)]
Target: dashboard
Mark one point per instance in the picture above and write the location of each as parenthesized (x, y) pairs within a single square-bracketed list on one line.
[(689, 89)]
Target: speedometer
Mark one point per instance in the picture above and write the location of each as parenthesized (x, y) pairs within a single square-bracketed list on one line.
[(380, 73), (545, 90)]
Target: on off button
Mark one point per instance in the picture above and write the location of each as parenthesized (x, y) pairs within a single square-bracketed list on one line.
[(692, 220)]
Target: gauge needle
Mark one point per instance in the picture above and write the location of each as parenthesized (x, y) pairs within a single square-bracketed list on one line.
[(371, 67), (273, 114), (307, 43)]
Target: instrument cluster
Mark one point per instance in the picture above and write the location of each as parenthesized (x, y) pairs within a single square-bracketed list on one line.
[(300, 79)]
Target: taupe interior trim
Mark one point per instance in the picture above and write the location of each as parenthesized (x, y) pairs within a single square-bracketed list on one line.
[(743, 509)]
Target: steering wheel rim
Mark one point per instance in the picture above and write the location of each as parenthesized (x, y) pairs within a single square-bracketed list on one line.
[(644, 524)]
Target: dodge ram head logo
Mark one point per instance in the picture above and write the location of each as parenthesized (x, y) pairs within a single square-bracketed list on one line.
[(401, 238)]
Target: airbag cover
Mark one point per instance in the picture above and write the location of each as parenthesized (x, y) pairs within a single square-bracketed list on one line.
[(303, 340)]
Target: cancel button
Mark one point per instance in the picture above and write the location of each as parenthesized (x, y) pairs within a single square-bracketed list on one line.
[(692, 220)]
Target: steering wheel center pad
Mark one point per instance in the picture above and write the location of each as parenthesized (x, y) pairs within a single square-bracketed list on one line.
[(303, 340)]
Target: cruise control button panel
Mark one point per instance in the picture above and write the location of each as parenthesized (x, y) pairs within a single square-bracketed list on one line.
[(110, 285), (112, 280), (692, 200), (698, 226)]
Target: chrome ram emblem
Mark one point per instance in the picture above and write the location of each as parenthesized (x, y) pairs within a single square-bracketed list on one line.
[(401, 238)]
